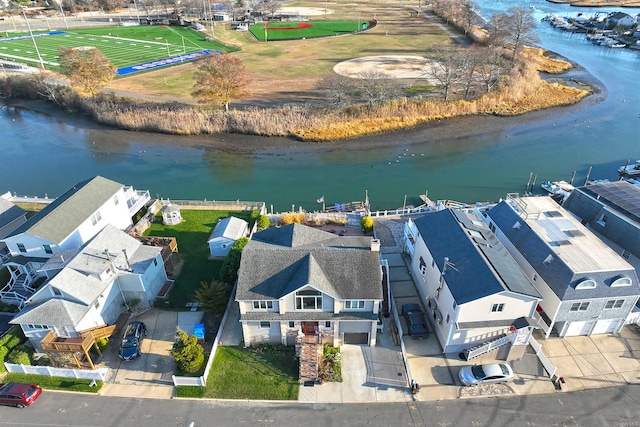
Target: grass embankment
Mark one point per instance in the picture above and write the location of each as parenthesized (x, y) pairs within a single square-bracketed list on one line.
[(260, 373), (192, 235), (55, 383)]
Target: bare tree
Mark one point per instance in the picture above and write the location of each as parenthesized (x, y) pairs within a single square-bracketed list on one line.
[(337, 88), (219, 79), (521, 25), (492, 67), (498, 29), (447, 67), (375, 86), (468, 11)]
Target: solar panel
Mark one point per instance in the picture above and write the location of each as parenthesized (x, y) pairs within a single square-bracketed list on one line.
[(553, 214), (621, 195)]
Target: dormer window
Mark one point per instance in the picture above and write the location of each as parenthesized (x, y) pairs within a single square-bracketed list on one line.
[(309, 300), (21, 247), (621, 281), (56, 291), (586, 284)]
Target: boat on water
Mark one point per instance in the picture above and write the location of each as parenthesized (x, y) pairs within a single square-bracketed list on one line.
[(630, 169), (557, 189)]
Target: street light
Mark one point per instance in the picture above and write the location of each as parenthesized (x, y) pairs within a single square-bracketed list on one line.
[(33, 39)]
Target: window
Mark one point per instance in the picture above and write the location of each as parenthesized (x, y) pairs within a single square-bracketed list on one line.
[(603, 220), (37, 326), (97, 305), (496, 308), (535, 277), (292, 324), (115, 200), (586, 284), (448, 317), (626, 254), (309, 300), (21, 247), (56, 291), (354, 305), (454, 305), (579, 306), (265, 325), (492, 227), (621, 281), (96, 218), (433, 263), (614, 303), (327, 324), (423, 266), (263, 305), (47, 249), (155, 262)]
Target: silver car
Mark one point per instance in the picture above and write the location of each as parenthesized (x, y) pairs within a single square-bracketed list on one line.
[(489, 373)]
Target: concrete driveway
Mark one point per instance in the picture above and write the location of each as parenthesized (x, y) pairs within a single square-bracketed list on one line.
[(150, 374)]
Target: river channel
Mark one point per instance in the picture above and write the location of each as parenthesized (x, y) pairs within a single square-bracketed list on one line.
[(45, 154)]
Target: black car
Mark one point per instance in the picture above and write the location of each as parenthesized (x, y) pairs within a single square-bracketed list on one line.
[(132, 340), (417, 326)]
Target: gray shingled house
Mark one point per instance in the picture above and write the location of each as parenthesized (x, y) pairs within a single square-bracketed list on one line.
[(296, 280), (587, 287)]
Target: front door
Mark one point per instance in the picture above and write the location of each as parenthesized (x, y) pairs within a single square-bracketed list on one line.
[(310, 328)]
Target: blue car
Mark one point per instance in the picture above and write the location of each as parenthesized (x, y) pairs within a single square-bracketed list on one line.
[(134, 333), (416, 324)]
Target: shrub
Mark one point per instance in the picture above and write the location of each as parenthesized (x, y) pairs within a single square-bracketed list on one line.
[(231, 264), (367, 224), (19, 356), (292, 217), (188, 353), (102, 343), (263, 222)]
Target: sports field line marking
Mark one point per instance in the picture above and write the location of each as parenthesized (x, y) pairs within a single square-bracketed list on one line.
[(133, 40), (190, 41), (6, 55)]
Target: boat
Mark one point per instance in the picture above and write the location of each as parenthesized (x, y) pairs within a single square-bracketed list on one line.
[(557, 189), (630, 170)]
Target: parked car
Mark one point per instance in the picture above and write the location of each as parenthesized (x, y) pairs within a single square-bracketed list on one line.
[(134, 333), (489, 373), (416, 324), (19, 394)]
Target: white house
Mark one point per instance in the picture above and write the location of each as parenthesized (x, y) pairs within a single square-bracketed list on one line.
[(474, 291), (296, 280), (11, 217), (98, 283), (225, 233), (67, 223), (587, 287)]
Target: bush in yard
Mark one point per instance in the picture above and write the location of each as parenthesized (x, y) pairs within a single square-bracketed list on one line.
[(330, 366), (12, 339), (229, 269), (102, 343), (367, 224), (213, 296), (19, 356), (188, 353), (263, 222)]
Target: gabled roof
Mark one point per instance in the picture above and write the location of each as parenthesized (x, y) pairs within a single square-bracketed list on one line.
[(77, 286), (65, 214), (619, 196), (9, 212), (279, 261), (479, 266), (54, 312), (229, 228), (562, 264)]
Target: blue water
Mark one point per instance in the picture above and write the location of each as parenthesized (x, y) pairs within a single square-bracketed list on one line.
[(46, 154)]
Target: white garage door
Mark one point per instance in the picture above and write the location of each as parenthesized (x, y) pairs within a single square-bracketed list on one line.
[(606, 326), (579, 328)]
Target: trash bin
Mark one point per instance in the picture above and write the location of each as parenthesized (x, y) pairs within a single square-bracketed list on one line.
[(198, 331)]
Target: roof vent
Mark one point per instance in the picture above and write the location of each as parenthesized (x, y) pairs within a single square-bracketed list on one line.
[(548, 259), (517, 225), (375, 245)]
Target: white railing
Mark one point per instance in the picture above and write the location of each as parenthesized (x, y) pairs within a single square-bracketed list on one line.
[(236, 205), (546, 364), (541, 322), (49, 371), (202, 381), (485, 348), (402, 211)]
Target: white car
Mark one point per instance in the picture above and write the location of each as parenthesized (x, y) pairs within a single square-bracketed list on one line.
[(489, 373)]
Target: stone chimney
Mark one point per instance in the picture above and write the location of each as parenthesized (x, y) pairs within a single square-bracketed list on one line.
[(375, 245)]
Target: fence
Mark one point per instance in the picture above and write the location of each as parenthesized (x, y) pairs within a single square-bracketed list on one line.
[(546, 364), (237, 205), (202, 381), (49, 371)]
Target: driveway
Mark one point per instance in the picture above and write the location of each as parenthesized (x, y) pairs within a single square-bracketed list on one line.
[(150, 374)]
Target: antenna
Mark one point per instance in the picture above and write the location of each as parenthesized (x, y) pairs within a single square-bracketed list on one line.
[(447, 263)]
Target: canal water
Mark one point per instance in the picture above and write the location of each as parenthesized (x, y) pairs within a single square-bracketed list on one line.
[(45, 154)]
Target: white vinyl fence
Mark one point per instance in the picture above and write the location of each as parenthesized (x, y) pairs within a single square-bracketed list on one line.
[(49, 371)]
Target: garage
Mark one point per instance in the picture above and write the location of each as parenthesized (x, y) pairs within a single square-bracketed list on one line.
[(356, 338), (579, 328), (606, 326)]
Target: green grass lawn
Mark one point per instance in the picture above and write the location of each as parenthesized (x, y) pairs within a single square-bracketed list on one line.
[(240, 373), (294, 30), (55, 383), (192, 235), (124, 46)]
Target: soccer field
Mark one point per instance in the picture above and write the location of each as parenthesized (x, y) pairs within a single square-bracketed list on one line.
[(295, 30), (130, 49)]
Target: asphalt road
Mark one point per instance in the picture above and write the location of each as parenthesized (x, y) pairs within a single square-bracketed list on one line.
[(612, 407)]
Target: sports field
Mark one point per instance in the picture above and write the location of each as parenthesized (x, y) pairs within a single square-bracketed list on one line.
[(130, 49), (295, 30)]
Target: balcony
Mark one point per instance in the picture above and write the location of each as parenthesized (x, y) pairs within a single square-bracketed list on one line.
[(136, 199)]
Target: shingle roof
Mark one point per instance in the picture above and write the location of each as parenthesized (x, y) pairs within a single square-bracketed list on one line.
[(480, 265), (278, 261), (54, 312), (230, 228), (65, 214), (308, 316), (550, 265), (9, 212)]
